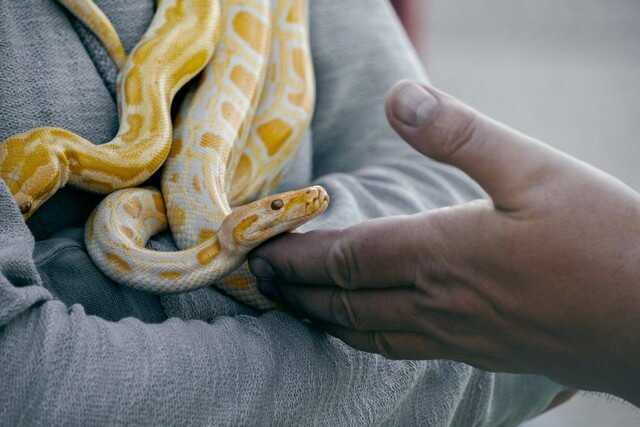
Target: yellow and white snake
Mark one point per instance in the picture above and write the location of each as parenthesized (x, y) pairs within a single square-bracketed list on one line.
[(235, 130)]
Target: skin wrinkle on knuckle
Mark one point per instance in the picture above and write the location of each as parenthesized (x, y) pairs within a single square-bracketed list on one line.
[(290, 269), (433, 289), (458, 132), (434, 266), (339, 262), (342, 310), (440, 327), (469, 334), (417, 256), (414, 314)]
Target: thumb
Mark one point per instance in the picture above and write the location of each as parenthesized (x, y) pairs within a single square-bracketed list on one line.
[(503, 161)]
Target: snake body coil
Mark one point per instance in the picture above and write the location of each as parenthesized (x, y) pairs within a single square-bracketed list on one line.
[(235, 131), (118, 230)]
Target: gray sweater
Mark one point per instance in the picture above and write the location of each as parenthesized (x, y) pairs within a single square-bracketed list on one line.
[(77, 349)]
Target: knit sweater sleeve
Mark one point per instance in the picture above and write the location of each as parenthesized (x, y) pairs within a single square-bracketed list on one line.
[(60, 366)]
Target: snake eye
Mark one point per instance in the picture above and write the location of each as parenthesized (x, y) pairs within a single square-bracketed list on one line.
[(277, 204)]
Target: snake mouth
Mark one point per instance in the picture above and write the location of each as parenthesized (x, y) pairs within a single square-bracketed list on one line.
[(317, 201), (300, 206)]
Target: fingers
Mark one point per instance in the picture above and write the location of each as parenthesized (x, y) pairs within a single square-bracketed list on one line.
[(377, 253), (481, 350), (502, 160), (361, 310)]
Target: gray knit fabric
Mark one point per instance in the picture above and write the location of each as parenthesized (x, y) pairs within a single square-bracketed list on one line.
[(77, 349)]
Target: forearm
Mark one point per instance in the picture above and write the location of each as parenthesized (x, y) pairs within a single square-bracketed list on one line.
[(60, 366)]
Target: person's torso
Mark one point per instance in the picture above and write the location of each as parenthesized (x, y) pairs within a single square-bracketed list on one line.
[(54, 72)]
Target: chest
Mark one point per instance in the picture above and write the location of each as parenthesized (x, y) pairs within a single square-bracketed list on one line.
[(54, 72)]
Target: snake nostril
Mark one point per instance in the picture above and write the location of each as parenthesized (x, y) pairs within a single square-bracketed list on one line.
[(277, 204)]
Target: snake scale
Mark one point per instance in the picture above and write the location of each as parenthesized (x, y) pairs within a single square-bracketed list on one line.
[(238, 125)]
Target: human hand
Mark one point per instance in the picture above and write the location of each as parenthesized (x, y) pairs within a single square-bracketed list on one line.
[(543, 278)]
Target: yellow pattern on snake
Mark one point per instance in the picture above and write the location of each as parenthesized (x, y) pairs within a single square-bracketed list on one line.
[(285, 109), (137, 214), (178, 44), (283, 115), (214, 121)]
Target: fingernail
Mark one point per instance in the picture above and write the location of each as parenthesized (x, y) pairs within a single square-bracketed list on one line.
[(261, 268), (412, 104), (269, 290)]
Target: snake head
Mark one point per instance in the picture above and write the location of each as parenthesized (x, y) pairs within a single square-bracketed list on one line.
[(31, 168), (251, 224)]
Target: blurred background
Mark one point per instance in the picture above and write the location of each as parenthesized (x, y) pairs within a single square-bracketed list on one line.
[(566, 72)]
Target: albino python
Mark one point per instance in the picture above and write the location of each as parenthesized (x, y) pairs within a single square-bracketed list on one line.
[(219, 147), (212, 124)]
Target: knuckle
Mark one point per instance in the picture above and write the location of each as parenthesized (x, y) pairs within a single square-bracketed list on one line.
[(433, 262), (340, 262), (342, 310), (457, 132), (288, 269)]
